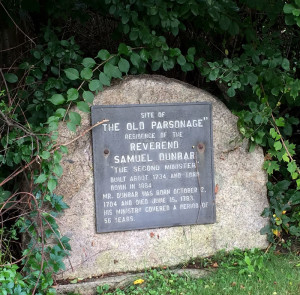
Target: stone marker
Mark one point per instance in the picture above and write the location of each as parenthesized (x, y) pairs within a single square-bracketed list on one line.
[(240, 185)]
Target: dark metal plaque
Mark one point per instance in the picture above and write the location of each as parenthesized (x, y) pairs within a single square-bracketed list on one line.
[(153, 166)]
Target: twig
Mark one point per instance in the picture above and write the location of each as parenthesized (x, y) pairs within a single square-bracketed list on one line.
[(15, 47), (56, 147), (15, 23), (267, 250), (16, 172), (278, 131), (12, 123), (282, 141), (81, 135)]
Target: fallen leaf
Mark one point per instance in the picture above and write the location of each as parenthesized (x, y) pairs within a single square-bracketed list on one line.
[(242, 286), (116, 261), (158, 236), (215, 265), (152, 234), (276, 232), (138, 282), (216, 189), (268, 157), (233, 284)]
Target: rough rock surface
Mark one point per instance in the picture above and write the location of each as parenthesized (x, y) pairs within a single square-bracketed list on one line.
[(240, 200)]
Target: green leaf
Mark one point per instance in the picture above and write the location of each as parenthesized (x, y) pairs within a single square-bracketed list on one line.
[(289, 20), (123, 49), (274, 134), (134, 33), (285, 64), (42, 178), (265, 230), (83, 106), (58, 170), (71, 126), (181, 60), (296, 12), (231, 92), (112, 71), (288, 8), (72, 94), (37, 54), (88, 96), (95, 85), (47, 60), (123, 66), (88, 62), (72, 73), (64, 43), (104, 79), (252, 146), (64, 149), (4, 195), (60, 112), (45, 155), (103, 54), (86, 73), (57, 99), (24, 66), (75, 118), (52, 183), (11, 78), (187, 67), (277, 145), (258, 119), (253, 106), (285, 157), (213, 75), (53, 126), (292, 167), (144, 54), (247, 260), (224, 22), (280, 122), (191, 51), (252, 78), (168, 64), (270, 166), (156, 65), (135, 59)]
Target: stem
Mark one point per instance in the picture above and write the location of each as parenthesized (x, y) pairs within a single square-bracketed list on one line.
[(15, 23)]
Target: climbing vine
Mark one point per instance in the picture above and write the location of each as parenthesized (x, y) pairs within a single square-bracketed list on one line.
[(245, 52)]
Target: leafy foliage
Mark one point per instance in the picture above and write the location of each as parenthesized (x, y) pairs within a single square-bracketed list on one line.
[(246, 52)]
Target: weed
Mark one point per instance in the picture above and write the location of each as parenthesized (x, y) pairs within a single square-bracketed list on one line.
[(239, 272)]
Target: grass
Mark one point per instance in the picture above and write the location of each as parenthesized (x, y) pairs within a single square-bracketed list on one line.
[(239, 272)]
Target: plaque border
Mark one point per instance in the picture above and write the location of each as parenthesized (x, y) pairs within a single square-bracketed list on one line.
[(95, 107)]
